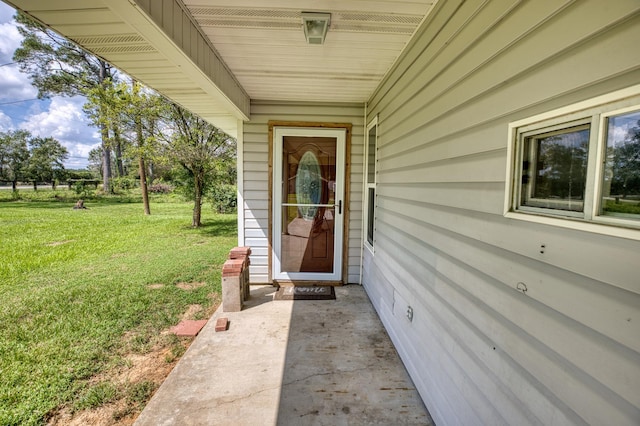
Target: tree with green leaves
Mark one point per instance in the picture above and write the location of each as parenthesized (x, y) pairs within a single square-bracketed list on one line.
[(58, 66), (14, 156), (200, 149), (95, 162), (562, 166), (140, 117), (134, 111), (46, 161)]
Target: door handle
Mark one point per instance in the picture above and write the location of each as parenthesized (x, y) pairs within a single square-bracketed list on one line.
[(339, 206)]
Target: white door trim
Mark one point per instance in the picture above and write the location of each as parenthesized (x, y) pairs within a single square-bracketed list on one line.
[(278, 134)]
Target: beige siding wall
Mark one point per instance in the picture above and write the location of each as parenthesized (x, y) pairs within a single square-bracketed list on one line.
[(256, 175), (481, 352)]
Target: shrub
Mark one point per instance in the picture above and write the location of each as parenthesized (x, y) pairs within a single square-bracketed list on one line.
[(80, 188), (224, 198), (160, 188), (123, 183)]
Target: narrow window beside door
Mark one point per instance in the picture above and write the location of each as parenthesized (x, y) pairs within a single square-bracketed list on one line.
[(370, 173)]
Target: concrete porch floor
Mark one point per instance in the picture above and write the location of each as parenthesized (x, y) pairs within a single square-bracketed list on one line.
[(327, 362)]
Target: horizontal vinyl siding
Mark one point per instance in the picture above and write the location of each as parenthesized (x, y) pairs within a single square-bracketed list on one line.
[(256, 176), (566, 351)]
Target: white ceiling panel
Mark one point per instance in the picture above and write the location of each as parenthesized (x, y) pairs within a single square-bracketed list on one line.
[(382, 6), (266, 50)]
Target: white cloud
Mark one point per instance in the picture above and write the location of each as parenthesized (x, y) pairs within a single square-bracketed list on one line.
[(65, 121), (5, 122), (10, 39), (6, 12), (13, 84)]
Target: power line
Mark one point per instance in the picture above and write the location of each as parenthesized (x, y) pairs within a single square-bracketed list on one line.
[(8, 63), (16, 102)]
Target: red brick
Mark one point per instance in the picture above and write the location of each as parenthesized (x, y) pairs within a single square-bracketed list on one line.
[(222, 324), (239, 252), (188, 328), (233, 267)]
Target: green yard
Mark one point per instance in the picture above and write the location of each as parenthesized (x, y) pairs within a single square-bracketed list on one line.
[(80, 289)]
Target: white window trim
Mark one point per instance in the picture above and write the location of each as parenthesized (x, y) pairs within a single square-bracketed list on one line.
[(592, 221), (367, 186), (526, 132)]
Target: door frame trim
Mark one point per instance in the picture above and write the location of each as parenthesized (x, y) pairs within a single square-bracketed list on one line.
[(347, 188)]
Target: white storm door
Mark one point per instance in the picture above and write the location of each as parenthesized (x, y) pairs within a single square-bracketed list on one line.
[(308, 203)]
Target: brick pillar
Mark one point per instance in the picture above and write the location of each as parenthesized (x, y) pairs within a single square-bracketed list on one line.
[(232, 291), (243, 253)]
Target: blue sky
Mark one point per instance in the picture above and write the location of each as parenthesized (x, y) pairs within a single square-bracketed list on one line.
[(59, 117)]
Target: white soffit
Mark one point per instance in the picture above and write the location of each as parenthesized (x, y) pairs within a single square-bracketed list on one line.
[(263, 44)]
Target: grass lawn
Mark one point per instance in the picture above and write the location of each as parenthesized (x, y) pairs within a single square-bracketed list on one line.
[(82, 288)]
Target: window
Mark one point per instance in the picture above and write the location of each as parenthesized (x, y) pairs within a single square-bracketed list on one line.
[(554, 169), (580, 163), (370, 181), (620, 194)]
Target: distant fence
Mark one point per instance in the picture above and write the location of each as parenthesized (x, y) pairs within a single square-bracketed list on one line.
[(22, 184), (93, 182), (69, 183)]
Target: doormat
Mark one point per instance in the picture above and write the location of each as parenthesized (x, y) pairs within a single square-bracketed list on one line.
[(324, 292)]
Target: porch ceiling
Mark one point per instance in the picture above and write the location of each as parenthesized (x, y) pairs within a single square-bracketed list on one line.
[(213, 56), (266, 50)]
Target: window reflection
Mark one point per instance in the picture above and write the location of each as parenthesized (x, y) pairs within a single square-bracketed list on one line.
[(621, 174), (309, 185), (556, 169)]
